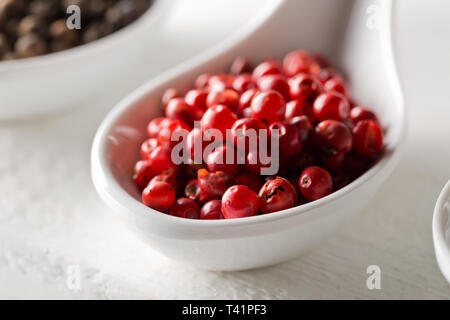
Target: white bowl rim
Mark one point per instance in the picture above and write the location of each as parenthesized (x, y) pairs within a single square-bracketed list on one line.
[(442, 247), (117, 197), (153, 13)]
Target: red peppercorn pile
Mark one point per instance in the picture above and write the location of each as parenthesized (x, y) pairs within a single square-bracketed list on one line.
[(325, 140)]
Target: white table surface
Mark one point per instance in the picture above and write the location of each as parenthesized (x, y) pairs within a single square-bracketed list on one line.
[(51, 217)]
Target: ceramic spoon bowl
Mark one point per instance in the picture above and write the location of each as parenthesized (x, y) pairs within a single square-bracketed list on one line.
[(356, 36)]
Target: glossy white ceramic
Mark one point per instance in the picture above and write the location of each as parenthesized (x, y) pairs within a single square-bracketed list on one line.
[(356, 35), (41, 85), (441, 231)]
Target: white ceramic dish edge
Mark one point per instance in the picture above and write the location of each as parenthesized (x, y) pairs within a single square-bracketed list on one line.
[(56, 81), (441, 227)]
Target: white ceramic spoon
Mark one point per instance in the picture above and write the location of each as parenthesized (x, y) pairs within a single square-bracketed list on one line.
[(357, 37)]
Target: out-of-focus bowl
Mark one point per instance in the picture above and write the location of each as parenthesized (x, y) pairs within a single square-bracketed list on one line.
[(56, 81), (338, 29), (441, 231)]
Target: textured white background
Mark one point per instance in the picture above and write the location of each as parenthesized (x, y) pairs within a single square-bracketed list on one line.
[(51, 217)]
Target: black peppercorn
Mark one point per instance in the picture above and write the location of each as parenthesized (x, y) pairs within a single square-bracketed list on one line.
[(9, 56), (82, 4), (141, 5), (10, 29), (121, 14), (96, 8), (4, 44), (11, 8), (58, 30), (30, 45), (3, 20), (46, 9), (95, 31), (31, 23), (58, 45)]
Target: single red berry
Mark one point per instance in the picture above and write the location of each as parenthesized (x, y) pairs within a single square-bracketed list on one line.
[(299, 61), (326, 74), (246, 113), (168, 95), (195, 145), (212, 210), (253, 181), (162, 161), (174, 132), (202, 81), (247, 97), (178, 109), (218, 160), (288, 138), (275, 82), (198, 113), (244, 102), (315, 183), (196, 98), (147, 147), (192, 191), (228, 98), (239, 202), (266, 68), (213, 184), (155, 126), (337, 84), (276, 195), (243, 82), (295, 108), (220, 82), (304, 127), (168, 177), (245, 133), (333, 160), (268, 106), (143, 173), (159, 196), (240, 65), (304, 87), (331, 105), (185, 208), (218, 117), (335, 135), (254, 162), (359, 113), (367, 138)]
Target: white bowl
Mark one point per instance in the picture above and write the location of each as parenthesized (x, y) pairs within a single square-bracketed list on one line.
[(266, 239), (55, 81), (441, 231)]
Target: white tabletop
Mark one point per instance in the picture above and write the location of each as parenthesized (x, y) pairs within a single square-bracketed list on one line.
[(52, 221)]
